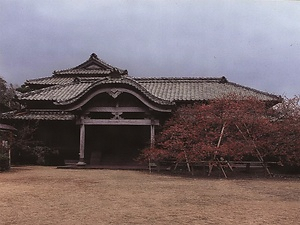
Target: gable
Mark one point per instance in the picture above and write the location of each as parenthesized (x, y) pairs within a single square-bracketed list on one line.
[(91, 67)]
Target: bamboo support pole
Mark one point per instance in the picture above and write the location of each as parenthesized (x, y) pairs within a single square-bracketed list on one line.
[(218, 146), (187, 161), (259, 156)]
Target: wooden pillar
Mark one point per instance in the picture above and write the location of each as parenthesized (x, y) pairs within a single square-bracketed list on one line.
[(81, 146), (152, 136)]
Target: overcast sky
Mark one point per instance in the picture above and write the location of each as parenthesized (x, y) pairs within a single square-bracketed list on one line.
[(253, 43)]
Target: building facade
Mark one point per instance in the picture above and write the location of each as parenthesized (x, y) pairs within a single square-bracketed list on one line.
[(103, 114)]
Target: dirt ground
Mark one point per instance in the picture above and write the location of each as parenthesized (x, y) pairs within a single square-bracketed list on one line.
[(46, 195)]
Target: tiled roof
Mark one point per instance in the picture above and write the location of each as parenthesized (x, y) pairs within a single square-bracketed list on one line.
[(70, 85), (198, 89), (158, 89), (38, 115)]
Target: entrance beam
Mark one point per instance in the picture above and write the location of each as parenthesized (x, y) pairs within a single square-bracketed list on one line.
[(134, 122), (116, 109)]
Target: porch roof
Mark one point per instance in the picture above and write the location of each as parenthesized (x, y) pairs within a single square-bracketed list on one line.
[(69, 92), (6, 127), (37, 115)]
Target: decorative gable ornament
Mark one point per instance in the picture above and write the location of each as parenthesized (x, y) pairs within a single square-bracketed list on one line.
[(114, 92)]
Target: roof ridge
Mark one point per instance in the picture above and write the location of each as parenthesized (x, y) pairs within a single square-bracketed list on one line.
[(181, 78), (184, 79)]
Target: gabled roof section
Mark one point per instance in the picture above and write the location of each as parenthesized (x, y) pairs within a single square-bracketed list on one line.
[(92, 67), (94, 63)]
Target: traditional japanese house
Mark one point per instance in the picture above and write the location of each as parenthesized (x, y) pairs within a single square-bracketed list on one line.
[(105, 115)]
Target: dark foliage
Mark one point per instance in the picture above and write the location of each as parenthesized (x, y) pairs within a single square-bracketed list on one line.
[(28, 150), (7, 97), (230, 129)]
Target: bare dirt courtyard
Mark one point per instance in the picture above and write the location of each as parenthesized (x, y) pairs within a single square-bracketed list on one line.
[(46, 195)]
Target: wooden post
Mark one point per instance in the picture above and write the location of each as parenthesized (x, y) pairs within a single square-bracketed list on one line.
[(9, 157), (210, 167), (152, 142), (152, 136), (81, 146)]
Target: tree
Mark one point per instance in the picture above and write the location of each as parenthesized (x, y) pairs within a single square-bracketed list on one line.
[(24, 143), (229, 128), (7, 95), (6, 138), (287, 138)]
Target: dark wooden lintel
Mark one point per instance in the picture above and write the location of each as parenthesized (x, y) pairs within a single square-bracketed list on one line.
[(116, 109), (134, 122)]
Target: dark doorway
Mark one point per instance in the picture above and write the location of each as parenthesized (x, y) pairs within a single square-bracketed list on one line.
[(115, 145)]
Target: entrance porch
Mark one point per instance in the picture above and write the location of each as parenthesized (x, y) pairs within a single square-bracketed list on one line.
[(115, 145), (114, 142)]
